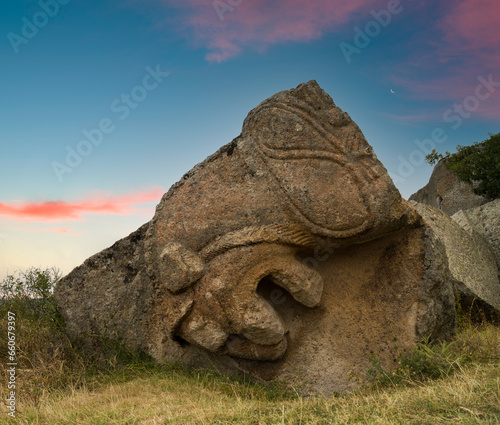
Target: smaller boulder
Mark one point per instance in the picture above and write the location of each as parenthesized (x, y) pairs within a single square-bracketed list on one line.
[(470, 259), (483, 221)]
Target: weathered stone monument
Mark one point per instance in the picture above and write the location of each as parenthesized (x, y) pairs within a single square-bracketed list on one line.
[(288, 254)]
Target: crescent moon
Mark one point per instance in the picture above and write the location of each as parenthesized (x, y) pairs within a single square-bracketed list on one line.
[(392, 91)]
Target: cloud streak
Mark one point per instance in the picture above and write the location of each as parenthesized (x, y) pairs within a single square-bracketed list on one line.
[(414, 118), (54, 229), (57, 211), (472, 28), (454, 45), (461, 47), (258, 24)]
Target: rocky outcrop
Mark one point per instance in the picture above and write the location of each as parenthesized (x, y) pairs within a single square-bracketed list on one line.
[(287, 254), (447, 193), (470, 258)]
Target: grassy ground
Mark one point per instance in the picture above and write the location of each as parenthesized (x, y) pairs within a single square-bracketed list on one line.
[(60, 383), (155, 396)]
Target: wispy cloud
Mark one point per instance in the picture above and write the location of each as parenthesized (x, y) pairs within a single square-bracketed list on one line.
[(456, 42), (53, 229), (415, 118), (100, 204), (472, 28), (32, 227), (461, 46), (257, 24)]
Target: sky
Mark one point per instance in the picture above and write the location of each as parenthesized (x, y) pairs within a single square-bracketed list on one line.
[(106, 104)]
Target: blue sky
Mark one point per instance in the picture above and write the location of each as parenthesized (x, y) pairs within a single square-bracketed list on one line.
[(405, 71)]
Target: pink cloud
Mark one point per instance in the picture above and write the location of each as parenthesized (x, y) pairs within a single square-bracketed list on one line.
[(54, 229), (449, 52), (472, 26), (462, 48), (225, 30), (101, 204)]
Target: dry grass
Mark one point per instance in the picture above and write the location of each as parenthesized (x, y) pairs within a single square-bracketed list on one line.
[(471, 396), (59, 383), (155, 394)]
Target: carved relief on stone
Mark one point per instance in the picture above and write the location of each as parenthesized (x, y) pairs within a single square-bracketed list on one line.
[(301, 174), (288, 252)]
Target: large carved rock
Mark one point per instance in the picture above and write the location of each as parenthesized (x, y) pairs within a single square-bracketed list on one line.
[(288, 253), (447, 193)]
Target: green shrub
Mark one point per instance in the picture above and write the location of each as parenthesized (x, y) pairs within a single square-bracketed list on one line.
[(38, 321), (47, 356), (29, 294), (425, 362), (478, 165)]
